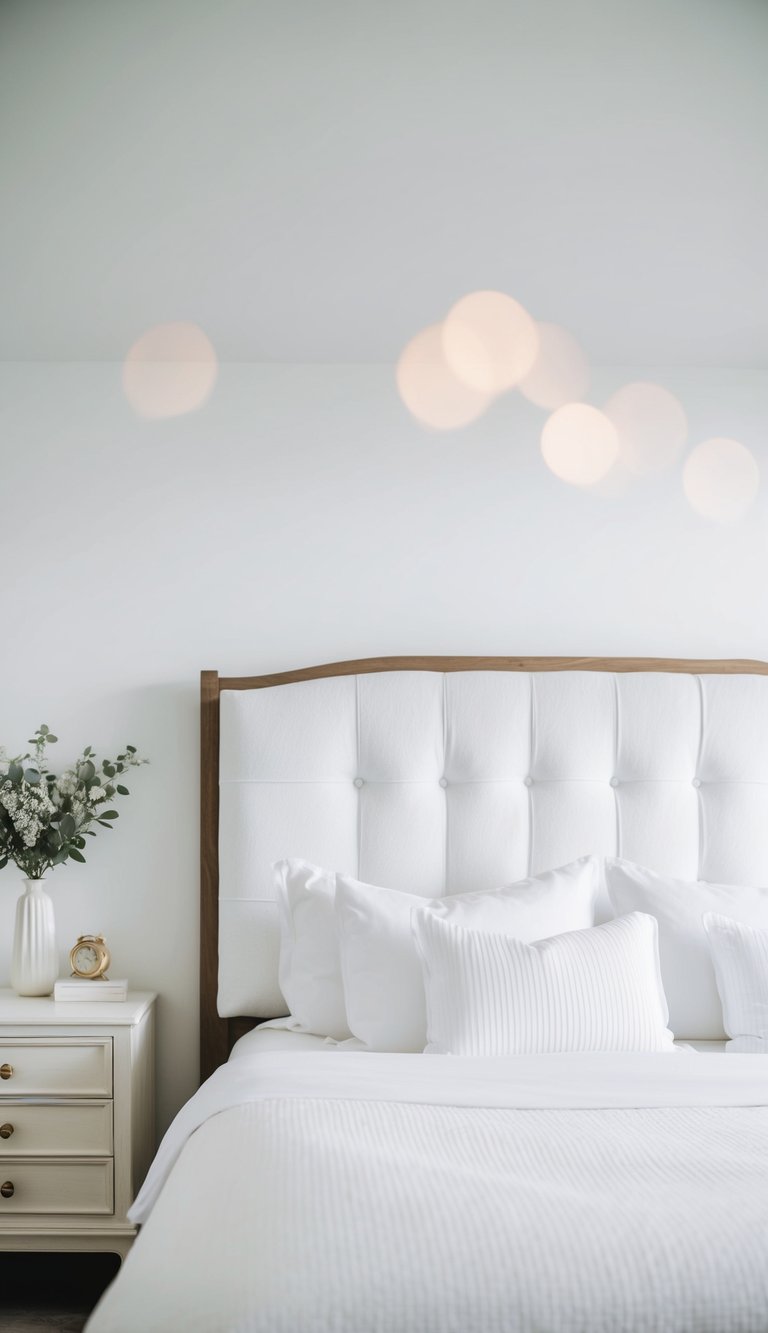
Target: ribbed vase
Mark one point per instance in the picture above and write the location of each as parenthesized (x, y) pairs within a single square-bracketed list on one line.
[(35, 964)]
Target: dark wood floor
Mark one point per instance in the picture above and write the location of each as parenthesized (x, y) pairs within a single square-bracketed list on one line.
[(51, 1293)]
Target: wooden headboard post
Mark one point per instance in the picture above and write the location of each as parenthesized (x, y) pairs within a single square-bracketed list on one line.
[(217, 1035), (214, 1045)]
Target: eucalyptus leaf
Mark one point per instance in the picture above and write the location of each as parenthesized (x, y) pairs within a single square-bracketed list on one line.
[(73, 809)]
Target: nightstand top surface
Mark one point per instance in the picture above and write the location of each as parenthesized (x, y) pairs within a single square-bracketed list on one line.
[(47, 1012)]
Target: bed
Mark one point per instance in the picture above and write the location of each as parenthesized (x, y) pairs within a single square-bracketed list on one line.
[(314, 1183)]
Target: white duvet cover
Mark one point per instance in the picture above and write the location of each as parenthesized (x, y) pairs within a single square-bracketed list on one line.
[(438, 1194)]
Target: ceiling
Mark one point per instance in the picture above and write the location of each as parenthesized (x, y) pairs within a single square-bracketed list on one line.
[(316, 180)]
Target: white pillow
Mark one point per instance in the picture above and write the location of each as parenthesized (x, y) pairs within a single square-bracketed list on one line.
[(590, 990), (686, 965), (383, 983), (310, 967), (740, 957)]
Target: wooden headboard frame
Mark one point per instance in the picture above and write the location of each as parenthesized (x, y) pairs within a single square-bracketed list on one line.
[(218, 1035)]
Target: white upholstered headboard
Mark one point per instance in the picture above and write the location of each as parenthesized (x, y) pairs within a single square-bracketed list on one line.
[(444, 781)]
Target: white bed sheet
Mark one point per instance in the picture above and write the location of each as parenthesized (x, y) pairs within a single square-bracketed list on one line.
[(433, 1194), (278, 1035)]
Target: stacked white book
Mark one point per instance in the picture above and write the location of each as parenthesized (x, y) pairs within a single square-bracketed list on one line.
[(90, 992)]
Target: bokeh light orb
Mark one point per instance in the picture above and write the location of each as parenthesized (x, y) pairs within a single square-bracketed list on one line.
[(490, 341), (721, 479), (560, 373), (170, 370), (430, 390), (579, 444), (651, 425)]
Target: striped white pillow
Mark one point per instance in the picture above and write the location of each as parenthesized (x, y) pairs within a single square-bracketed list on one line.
[(740, 958), (588, 990)]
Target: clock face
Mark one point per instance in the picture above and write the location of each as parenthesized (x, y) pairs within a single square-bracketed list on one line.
[(86, 959), (90, 957)]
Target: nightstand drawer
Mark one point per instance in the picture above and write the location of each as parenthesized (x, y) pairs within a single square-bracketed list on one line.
[(48, 1068), (55, 1187), (55, 1129)]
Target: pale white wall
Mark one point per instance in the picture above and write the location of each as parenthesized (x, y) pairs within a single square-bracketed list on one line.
[(301, 516), (316, 180)]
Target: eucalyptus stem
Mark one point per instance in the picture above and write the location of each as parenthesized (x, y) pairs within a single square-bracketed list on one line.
[(44, 818)]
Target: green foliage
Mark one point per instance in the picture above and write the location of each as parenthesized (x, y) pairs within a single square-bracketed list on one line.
[(44, 817)]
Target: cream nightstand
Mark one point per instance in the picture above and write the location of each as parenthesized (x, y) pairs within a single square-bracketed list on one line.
[(77, 1120)]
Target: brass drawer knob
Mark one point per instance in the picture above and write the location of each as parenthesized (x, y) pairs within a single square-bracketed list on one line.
[(6, 1189), (6, 1131), (6, 1071)]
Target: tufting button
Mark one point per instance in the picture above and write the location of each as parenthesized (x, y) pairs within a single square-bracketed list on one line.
[(697, 782), (358, 782), (614, 782), (529, 782), (443, 782)]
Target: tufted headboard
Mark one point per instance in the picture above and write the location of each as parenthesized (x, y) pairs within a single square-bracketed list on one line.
[(444, 775)]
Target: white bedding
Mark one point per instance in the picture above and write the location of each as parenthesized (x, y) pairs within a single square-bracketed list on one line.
[(438, 1194), (278, 1035)]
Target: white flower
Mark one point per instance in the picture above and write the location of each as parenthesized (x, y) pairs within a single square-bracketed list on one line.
[(29, 807), (9, 798), (67, 783), (97, 794)]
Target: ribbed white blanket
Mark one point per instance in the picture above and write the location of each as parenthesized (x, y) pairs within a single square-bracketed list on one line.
[(428, 1194)]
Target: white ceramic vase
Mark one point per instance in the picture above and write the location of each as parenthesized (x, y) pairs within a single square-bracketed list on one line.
[(35, 963)]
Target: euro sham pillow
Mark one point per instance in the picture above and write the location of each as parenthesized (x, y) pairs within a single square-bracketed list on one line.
[(310, 966), (383, 981), (695, 1010), (740, 959), (589, 990)]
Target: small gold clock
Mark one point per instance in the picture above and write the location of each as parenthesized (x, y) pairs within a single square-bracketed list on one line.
[(90, 958)]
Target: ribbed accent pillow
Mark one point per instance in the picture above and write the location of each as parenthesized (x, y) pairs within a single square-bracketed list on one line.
[(383, 983), (740, 958), (588, 990)]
